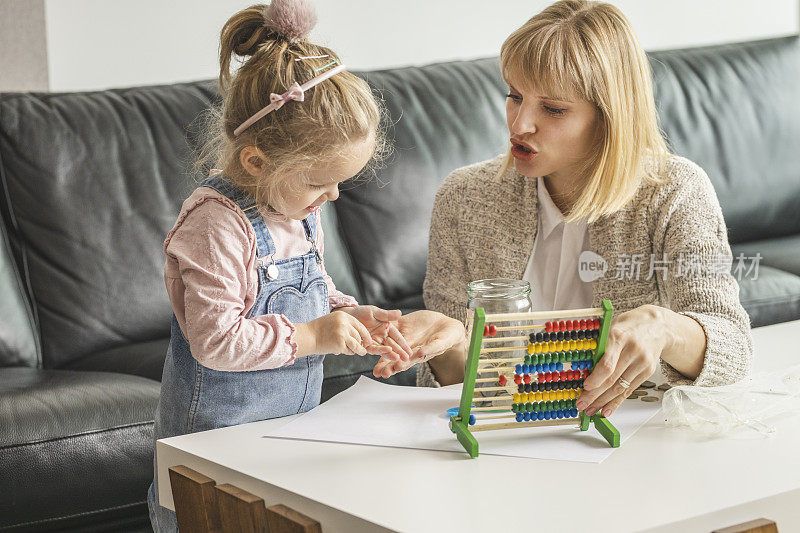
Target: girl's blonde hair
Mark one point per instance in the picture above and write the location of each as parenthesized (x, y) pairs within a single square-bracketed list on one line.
[(589, 50), (335, 114)]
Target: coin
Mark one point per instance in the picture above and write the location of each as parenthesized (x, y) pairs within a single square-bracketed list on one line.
[(664, 386), (647, 385), (638, 393), (649, 399)]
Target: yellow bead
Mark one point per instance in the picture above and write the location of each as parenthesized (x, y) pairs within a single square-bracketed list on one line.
[(551, 346), (593, 344), (560, 395), (573, 345), (531, 396), (582, 345), (538, 347), (516, 397), (578, 393), (531, 349), (538, 396)]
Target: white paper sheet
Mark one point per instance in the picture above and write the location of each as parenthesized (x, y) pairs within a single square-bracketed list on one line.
[(378, 414)]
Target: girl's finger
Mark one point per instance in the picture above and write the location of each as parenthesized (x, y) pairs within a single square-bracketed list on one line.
[(398, 338), (356, 348), (363, 332), (402, 355)]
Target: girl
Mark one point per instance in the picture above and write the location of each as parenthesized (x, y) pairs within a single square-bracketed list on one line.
[(253, 306), (588, 172)]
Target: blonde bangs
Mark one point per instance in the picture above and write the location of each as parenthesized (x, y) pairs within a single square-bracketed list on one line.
[(588, 50)]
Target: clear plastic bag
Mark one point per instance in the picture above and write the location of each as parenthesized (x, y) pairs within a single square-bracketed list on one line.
[(750, 403)]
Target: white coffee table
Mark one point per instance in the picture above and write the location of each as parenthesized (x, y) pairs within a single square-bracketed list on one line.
[(661, 479)]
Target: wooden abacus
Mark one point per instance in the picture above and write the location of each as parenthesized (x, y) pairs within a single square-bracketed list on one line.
[(538, 388)]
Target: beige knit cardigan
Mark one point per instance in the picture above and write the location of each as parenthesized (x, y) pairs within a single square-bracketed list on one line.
[(485, 228)]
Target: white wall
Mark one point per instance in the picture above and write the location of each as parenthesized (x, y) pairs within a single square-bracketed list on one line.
[(94, 44)]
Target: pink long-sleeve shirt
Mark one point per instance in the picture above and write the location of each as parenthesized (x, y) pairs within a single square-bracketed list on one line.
[(212, 281)]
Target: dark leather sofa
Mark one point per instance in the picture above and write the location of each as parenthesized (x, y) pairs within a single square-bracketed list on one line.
[(91, 183)]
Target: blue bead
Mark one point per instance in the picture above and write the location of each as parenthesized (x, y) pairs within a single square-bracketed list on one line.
[(518, 369), (560, 367), (540, 415), (526, 369), (471, 420), (538, 368), (560, 413), (526, 416), (574, 412), (547, 415), (519, 417)]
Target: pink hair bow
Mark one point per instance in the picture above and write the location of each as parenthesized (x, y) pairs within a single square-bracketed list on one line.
[(296, 92)]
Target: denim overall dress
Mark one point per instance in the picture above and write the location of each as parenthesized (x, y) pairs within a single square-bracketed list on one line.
[(196, 398)]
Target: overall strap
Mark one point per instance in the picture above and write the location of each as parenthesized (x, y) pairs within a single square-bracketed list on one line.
[(247, 203), (310, 228)]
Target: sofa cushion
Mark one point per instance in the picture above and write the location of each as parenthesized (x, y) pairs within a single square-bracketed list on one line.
[(73, 442), (732, 109), (442, 117), (773, 296), (782, 253), (18, 343), (145, 359)]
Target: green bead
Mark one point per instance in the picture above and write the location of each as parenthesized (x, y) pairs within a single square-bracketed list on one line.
[(513, 408), (529, 407)]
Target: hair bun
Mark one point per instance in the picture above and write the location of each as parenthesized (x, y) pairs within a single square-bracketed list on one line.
[(292, 19)]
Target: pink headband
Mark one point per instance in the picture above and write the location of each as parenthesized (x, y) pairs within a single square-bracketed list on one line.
[(295, 92)]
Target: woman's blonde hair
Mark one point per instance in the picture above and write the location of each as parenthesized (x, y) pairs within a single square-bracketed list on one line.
[(335, 114), (589, 50)]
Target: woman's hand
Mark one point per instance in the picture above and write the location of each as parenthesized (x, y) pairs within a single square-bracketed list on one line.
[(636, 341), (382, 325), (338, 333), (429, 333)]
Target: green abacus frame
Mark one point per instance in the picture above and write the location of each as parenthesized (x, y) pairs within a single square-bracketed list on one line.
[(459, 424)]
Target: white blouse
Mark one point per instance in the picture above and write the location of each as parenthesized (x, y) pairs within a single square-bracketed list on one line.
[(552, 268)]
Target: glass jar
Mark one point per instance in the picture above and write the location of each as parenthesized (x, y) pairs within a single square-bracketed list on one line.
[(499, 295)]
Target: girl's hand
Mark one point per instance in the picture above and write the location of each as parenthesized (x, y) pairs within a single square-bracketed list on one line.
[(635, 343), (382, 325), (430, 333), (337, 333)]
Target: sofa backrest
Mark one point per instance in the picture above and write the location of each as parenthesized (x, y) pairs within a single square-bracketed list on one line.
[(734, 110), (92, 182), (17, 339)]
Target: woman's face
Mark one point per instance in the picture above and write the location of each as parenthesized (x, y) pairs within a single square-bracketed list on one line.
[(551, 135)]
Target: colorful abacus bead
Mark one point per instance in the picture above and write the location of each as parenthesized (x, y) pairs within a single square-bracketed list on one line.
[(471, 420), (492, 330), (485, 331), (502, 380)]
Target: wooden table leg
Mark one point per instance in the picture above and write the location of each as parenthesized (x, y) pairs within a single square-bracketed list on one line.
[(195, 500)]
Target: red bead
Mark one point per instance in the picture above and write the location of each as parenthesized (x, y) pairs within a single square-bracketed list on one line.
[(596, 323), (485, 331), (541, 377), (562, 326), (517, 379), (526, 378), (569, 325), (548, 326), (492, 330), (582, 324), (502, 380)]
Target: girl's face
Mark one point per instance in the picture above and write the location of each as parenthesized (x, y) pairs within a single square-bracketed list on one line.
[(551, 135), (302, 196)]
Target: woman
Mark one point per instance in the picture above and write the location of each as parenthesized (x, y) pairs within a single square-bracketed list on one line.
[(588, 170)]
